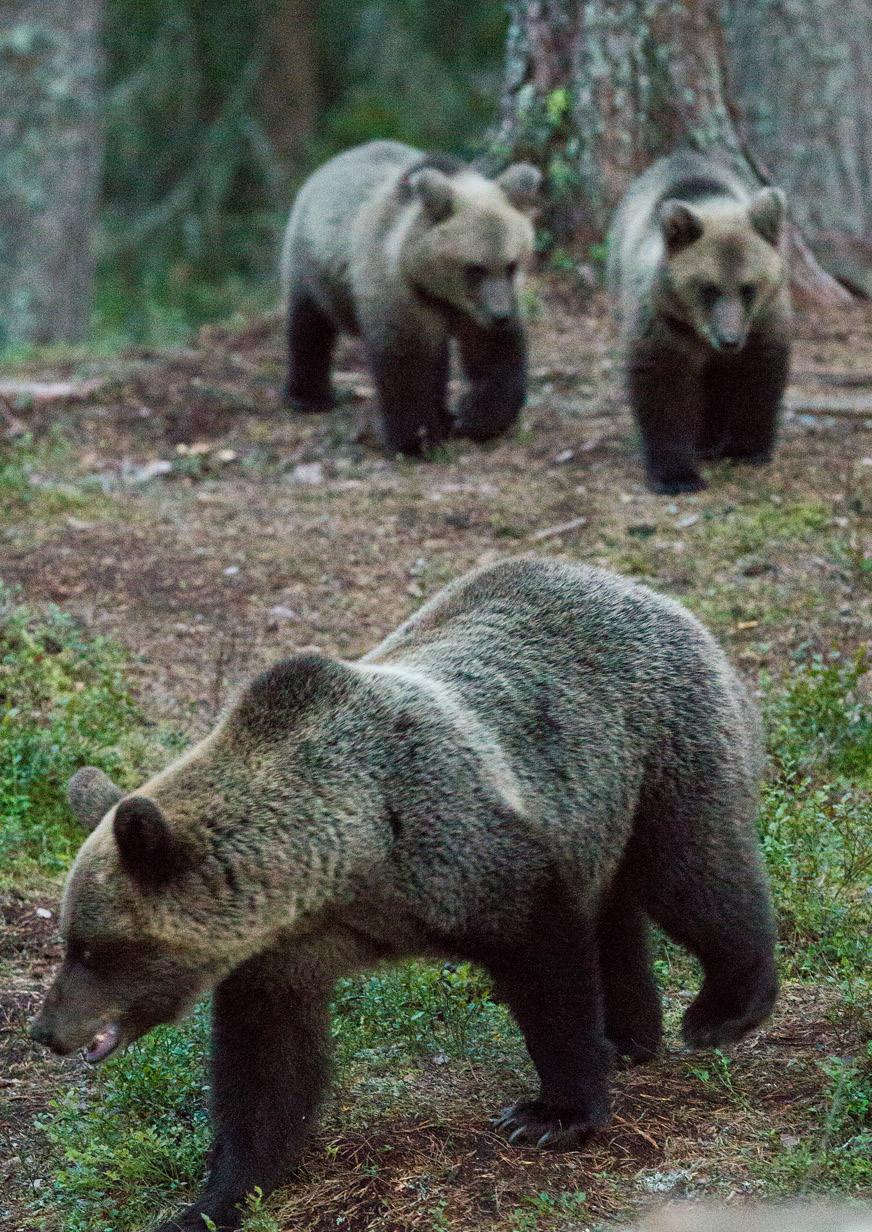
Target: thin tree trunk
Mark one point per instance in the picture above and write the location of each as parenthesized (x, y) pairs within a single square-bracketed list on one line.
[(50, 166), (642, 77), (289, 94)]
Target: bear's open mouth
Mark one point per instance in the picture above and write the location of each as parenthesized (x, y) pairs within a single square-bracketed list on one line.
[(104, 1042)]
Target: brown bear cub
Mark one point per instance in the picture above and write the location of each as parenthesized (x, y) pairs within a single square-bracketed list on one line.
[(541, 760), (696, 266), (410, 251)]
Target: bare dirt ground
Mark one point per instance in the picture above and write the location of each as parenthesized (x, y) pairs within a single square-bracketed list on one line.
[(272, 532)]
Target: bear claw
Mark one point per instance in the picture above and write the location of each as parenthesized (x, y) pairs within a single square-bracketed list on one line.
[(533, 1122)]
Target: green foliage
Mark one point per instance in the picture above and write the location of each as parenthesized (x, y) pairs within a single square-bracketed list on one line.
[(816, 819), (415, 1009), (135, 1140), (64, 704), (547, 1206), (428, 74), (195, 194), (838, 1154), (29, 490)]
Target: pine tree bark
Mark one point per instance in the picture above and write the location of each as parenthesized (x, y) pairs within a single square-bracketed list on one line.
[(803, 71), (640, 77), (50, 167)]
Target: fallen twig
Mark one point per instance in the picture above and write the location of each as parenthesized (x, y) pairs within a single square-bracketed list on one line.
[(552, 532), (838, 408), (51, 391)]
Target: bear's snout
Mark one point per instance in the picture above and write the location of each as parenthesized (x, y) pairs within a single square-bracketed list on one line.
[(43, 1031)]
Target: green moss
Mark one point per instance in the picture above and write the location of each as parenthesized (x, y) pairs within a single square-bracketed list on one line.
[(64, 703)]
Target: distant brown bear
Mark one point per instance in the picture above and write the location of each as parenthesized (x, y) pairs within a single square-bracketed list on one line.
[(536, 763), (695, 263), (410, 251)]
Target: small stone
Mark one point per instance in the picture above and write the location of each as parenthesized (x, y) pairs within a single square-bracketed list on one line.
[(281, 612), (44, 913), (230, 571), (151, 470), (226, 455), (565, 455), (689, 519), (308, 474)]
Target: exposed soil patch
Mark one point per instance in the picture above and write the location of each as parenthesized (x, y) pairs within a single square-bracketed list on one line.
[(271, 532)]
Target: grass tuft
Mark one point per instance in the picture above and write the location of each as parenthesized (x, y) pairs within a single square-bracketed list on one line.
[(64, 703)]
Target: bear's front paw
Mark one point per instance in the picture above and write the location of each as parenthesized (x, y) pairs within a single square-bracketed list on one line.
[(673, 485), (537, 1123)]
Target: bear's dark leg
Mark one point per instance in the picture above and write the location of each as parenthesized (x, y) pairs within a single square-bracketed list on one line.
[(631, 998), (269, 1069), (495, 364), (311, 337), (411, 378), (665, 396), (552, 989), (710, 895), (743, 397)]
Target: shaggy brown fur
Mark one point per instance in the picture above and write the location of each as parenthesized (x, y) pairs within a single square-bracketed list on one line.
[(521, 775), (411, 251), (696, 267)]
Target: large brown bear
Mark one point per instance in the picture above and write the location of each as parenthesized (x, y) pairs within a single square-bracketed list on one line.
[(695, 263), (521, 775), (410, 251)]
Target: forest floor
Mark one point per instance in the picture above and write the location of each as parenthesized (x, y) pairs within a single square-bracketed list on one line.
[(181, 512)]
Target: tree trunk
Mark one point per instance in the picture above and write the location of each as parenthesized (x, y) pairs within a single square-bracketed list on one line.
[(601, 88), (289, 95), (50, 165), (803, 72)]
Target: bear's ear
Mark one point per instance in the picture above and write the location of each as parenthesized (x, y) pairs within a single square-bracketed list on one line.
[(91, 794), (433, 189), (149, 850), (680, 225), (521, 183), (766, 212)]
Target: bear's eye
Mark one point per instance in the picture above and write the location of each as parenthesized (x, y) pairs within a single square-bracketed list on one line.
[(475, 273), (747, 291), (709, 293), (511, 269)]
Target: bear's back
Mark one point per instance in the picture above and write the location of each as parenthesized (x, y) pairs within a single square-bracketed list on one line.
[(569, 655), (316, 247)]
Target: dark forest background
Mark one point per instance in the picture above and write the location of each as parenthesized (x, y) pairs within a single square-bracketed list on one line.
[(211, 113), (149, 149)]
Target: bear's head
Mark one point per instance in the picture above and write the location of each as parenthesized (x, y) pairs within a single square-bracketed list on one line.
[(723, 264), (214, 860), (468, 239)]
